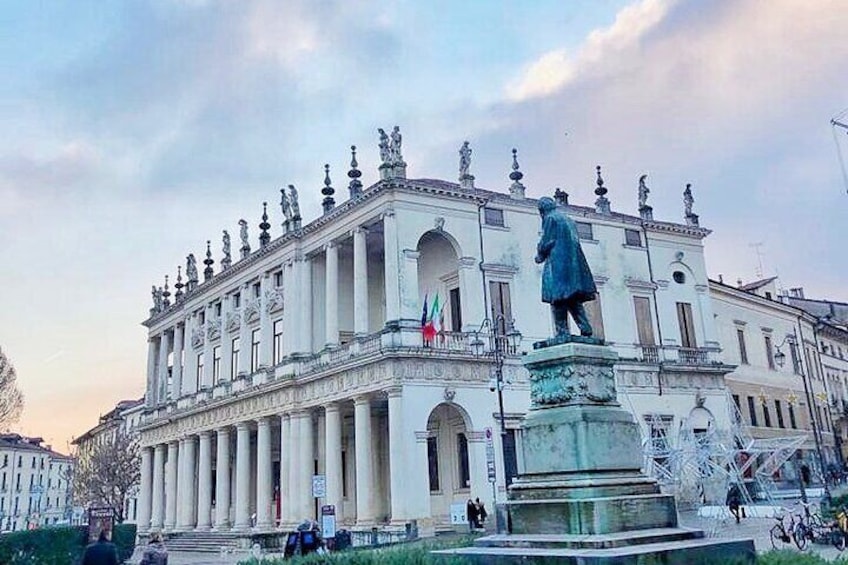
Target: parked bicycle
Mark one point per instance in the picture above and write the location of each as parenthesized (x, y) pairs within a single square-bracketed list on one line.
[(781, 532), (811, 527)]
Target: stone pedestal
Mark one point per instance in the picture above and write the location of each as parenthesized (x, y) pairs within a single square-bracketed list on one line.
[(582, 497)]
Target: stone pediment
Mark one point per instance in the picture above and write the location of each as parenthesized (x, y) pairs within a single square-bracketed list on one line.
[(251, 311), (198, 336), (213, 329), (273, 300), (233, 322)]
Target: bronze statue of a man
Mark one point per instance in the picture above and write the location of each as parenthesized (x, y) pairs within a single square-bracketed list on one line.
[(566, 280)]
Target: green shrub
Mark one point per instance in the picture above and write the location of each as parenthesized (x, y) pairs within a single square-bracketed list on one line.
[(59, 545)]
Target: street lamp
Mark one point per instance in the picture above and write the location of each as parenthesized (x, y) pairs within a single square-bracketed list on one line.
[(505, 340), (780, 359)]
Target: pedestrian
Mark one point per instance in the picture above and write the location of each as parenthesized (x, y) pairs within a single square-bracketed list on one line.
[(734, 499), (471, 515), (481, 512), (155, 553), (101, 552)]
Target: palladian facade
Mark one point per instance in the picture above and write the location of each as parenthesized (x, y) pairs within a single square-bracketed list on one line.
[(297, 374)]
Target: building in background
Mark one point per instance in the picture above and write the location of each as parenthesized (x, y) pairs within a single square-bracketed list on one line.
[(300, 367), (35, 484), (124, 419)]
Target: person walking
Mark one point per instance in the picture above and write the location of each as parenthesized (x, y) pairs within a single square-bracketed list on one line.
[(101, 552), (481, 512), (155, 553), (734, 499), (471, 515)]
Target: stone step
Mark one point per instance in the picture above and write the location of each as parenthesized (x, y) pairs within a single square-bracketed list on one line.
[(685, 552), (583, 541)]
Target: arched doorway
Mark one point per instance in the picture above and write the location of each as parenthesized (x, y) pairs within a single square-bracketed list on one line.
[(438, 276), (448, 461)]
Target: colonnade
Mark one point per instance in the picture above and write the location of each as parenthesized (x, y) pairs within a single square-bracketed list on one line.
[(200, 482), (190, 341)]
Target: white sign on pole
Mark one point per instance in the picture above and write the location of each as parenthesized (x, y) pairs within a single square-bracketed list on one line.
[(319, 486), (328, 521), (457, 511), (490, 456)]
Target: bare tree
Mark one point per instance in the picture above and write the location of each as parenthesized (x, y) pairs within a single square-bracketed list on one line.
[(11, 399), (107, 472)]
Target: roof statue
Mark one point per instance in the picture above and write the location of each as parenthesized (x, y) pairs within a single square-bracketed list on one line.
[(295, 206), (245, 245), (466, 179), (395, 147), (285, 205), (688, 200), (385, 154), (560, 197), (227, 261), (191, 272), (645, 211), (567, 281), (157, 300)]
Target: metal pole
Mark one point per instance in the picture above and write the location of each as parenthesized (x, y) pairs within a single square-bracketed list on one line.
[(812, 415)]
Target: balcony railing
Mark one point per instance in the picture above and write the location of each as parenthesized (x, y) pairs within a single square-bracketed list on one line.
[(650, 353), (692, 356)]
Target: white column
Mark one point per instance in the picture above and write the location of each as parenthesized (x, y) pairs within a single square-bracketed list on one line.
[(418, 473), (222, 480), (242, 476), (145, 494), (207, 348), (177, 370), (360, 282), (471, 301), (306, 306), (190, 371), (391, 267), (226, 340), (285, 468), (364, 467), (152, 361), (397, 469), (158, 519), (162, 380), (204, 482), (171, 486), (264, 484), (187, 499), (244, 334), (331, 296), (307, 467), (410, 301), (289, 311), (333, 457), (265, 330)]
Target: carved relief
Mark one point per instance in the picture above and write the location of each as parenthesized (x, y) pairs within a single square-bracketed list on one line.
[(213, 329), (251, 311), (273, 300), (571, 384), (233, 322), (198, 336)]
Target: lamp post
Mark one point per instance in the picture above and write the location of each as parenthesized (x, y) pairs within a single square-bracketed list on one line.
[(780, 359), (503, 334)]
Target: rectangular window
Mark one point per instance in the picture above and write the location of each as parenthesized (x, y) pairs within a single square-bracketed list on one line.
[(766, 416), (769, 352), (278, 341), (217, 309), (199, 383), (501, 305), (793, 351), (738, 415), (216, 364), (752, 411), (344, 474), (584, 231), (493, 217), (633, 238), (644, 323), (778, 409), (257, 290), (462, 458), (201, 316), (687, 325), (234, 359), (455, 310), (595, 315), (236, 300), (433, 463), (254, 350), (278, 279), (743, 351)]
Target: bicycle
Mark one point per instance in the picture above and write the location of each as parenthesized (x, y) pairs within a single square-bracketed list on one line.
[(811, 527), (779, 532)]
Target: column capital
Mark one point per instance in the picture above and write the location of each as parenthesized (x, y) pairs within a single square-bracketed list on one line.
[(240, 426), (394, 392), (285, 416), (330, 245), (223, 431), (173, 442), (359, 230), (467, 262), (411, 254), (205, 433), (332, 407), (263, 421), (362, 399), (388, 213)]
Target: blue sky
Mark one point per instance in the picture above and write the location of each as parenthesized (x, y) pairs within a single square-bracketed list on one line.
[(134, 131)]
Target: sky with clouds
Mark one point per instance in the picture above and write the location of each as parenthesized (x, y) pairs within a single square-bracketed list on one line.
[(135, 131)]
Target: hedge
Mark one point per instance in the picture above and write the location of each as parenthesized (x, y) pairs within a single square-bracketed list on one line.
[(59, 545)]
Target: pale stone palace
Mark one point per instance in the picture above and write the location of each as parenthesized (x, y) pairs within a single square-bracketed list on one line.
[(304, 355)]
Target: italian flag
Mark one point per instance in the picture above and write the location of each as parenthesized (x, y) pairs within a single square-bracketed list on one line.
[(429, 324)]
